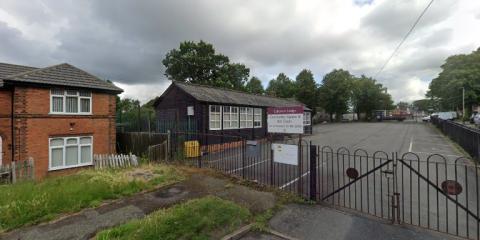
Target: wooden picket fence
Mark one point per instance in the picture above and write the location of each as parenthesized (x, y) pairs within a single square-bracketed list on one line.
[(17, 171), (104, 161)]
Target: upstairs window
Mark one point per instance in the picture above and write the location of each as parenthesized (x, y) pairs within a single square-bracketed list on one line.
[(215, 117), (70, 102), (257, 118)]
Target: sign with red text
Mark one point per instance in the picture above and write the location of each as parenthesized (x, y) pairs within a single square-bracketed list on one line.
[(285, 120)]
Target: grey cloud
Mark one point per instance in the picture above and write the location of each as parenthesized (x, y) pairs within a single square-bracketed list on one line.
[(392, 19)]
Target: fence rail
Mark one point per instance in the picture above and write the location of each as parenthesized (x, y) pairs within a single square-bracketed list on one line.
[(468, 138), (104, 161)]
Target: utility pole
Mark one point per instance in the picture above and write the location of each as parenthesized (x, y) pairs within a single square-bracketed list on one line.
[(463, 104)]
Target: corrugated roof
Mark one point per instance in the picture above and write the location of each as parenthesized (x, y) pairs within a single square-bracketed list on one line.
[(61, 75), (225, 96)]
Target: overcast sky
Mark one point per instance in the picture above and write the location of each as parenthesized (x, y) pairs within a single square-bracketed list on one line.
[(125, 41)]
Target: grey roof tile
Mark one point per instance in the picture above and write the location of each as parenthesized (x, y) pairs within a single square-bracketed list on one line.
[(62, 75), (225, 96)]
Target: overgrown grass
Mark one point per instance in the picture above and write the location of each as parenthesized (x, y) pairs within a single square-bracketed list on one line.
[(203, 218), (30, 202)]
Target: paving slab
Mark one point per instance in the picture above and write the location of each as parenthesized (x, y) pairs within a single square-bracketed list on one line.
[(318, 222)]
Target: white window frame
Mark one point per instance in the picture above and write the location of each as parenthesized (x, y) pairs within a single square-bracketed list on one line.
[(233, 117), (210, 119), (307, 118), (257, 117), (64, 152), (247, 114), (64, 98)]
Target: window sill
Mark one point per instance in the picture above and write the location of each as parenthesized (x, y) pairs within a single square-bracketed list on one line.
[(69, 167), (71, 114)]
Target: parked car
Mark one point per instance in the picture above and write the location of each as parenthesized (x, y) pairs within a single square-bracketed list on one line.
[(476, 119), (426, 119)]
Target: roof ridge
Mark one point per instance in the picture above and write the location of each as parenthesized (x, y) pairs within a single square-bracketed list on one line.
[(11, 64), (233, 90), (33, 71)]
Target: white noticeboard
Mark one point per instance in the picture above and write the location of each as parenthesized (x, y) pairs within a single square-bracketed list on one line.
[(190, 111), (285, 120), (285, 153)]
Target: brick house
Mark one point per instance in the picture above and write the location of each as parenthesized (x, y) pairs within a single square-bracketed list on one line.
[(58, 115)]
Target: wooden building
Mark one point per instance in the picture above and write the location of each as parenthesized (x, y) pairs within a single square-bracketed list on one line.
[(212, 110)]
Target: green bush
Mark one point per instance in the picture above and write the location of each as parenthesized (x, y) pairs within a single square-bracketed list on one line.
[(195, 219)]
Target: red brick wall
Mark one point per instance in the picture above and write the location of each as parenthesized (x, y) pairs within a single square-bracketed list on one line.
[(34, 126), (5, 125)]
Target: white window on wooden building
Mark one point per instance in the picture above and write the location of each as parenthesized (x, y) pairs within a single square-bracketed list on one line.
[(215, 117), (230, 117), (246, 117), (68, 152), (258, 118)]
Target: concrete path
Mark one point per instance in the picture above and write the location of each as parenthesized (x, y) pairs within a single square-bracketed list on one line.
[(85, 224), (317, 222)]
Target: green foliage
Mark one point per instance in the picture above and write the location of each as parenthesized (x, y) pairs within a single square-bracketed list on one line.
[(458, 71), (30, 202), (425, 105), (282, 87), (368, 95), (335, 92), (134, 116), (254, 86), (199, 63), (306, 89), (403, 105), (195, 219)]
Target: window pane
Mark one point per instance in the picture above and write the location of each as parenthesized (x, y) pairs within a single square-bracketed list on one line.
[(57, 104), (57, 157), (72, 92), (72, 141), (56, 142), (57, 92), (71, 104), (71, 155), (85, 105), (86, 154), (85, 93), (85, 140)]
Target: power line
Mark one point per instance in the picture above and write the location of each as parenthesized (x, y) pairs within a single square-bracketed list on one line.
[(404, 38)]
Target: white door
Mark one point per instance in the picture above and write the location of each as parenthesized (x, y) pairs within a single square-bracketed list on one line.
[(1, 152)]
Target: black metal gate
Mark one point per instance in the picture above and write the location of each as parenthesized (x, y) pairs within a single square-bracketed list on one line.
[(437, 193)]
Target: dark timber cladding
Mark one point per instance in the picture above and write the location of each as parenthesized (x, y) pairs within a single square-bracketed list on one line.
[(212, 110)]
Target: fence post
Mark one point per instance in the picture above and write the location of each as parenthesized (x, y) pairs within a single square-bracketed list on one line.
[(32, 168), (244, 151), (14, 172), (313, 172), (168, 143)]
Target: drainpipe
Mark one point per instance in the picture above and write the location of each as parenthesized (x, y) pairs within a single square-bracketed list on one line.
[(12, 122)]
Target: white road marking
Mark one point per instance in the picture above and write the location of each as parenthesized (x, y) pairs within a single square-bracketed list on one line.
[(251, 165), (411, 144), (443, 154), (294, 180)]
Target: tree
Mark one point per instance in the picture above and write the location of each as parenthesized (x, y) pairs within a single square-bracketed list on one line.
[(403, 105), (368, 95), (335, 92), (199, 63), (306, 89), (282, 87), (133, 116), (425, 105), (254, 86), (458, 72)]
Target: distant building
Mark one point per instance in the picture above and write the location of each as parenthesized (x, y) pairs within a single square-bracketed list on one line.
[(59, 116), (211, 110)]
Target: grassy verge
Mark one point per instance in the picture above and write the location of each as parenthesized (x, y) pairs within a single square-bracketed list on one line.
[(204, 218), (31, 202)]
